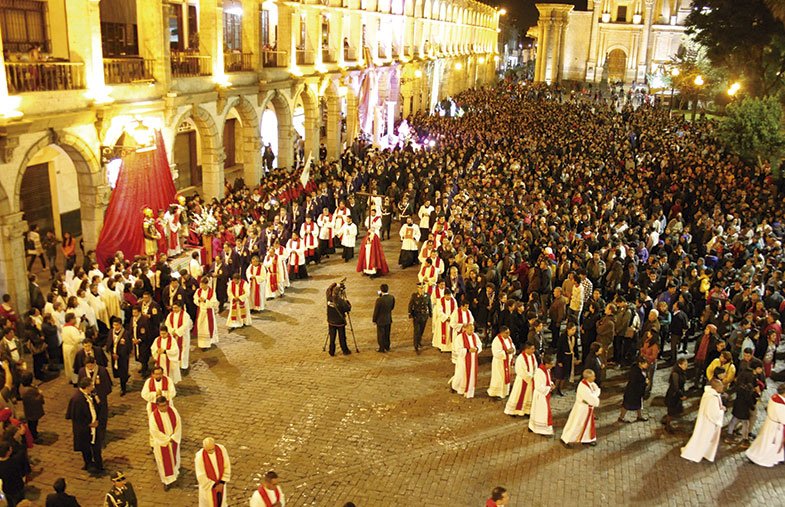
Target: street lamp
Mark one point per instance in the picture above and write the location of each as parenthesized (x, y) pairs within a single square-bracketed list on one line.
[(502, 12), (674, 74), (698, 83), (734, 89)]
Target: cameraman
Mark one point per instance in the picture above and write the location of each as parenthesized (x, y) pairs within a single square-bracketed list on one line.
[(337, 308)]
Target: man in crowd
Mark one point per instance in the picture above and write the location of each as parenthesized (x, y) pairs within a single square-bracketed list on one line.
[(706, 435), (419, 312), (269, 494), (382, 317), (83, 413), (213, 470), (166, 432)]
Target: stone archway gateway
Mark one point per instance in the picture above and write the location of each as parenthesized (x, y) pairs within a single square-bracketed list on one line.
[(616, 64)]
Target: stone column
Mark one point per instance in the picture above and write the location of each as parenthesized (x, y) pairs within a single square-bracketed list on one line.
[(314, 32), (555, 59), (352, 119), (286, 33), (540, 51), (333, 127), (545, 44), (643, 50), (93, 207), (252, 155), (153, 32), (378, 126), (251, 32), (84, 40), (592, 62), (213, 169), (312, 131), (13, 270), (285, 146)]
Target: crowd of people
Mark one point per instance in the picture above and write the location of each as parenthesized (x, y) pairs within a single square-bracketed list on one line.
[(569, 235)]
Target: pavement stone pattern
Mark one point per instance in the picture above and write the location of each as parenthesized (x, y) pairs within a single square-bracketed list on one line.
[(384, 429)]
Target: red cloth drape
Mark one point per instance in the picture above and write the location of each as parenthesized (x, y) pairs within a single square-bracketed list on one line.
[(145, 180)]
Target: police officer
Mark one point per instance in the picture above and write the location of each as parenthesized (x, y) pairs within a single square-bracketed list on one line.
[(419, 312), (122, 493)]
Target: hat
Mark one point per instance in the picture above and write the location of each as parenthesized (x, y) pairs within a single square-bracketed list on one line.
[(118, 476)]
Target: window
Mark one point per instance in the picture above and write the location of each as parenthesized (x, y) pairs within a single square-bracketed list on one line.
[(621, 14), (265, 24), (233, 38), (23, 23), (325, 32), (303, 32)]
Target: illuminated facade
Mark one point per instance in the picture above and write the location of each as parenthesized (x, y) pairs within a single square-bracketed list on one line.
[(221, 79), (621, 40)]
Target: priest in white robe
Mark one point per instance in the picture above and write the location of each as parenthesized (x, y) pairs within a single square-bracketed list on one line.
[(72, 341), (269, 494), (297, 261), (179, 324), (166, 354), (213, 470), (410, 236), (166, 431), (274, 283), (459, 318), (468, 346), (705, 437), (238, 292), (442, 330), (581, 425), (541, 419), (348, 238), (501, 367), (767, 449), (206, 315), (309, 234), (326, 233), (257, 278), (156, 386)]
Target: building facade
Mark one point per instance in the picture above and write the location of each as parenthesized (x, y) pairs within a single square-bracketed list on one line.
[(621, 40), (221, 79)]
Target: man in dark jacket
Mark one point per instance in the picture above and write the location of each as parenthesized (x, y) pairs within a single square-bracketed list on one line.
[(382, 317), (33, 402), (83, 414), (419, 312), (141, 335), (337, 308), (60, 498), (120, 346), (12, 474)]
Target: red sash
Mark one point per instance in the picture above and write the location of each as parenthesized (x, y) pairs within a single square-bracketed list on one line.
[(524, 384), (255, 287), (266, 499), (506, 361), (211, 473), (273, 274), (210, 312), (237, 305), (548, 396), (470, 358), (308, 237), (168, 452), (296, 257), (589, 420), (168, 346), (445, 328), (177, 336)]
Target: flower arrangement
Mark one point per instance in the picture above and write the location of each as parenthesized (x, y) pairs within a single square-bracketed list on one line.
[(205, 223)]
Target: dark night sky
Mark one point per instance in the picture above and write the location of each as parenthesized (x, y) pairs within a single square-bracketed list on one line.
[(523, 12)]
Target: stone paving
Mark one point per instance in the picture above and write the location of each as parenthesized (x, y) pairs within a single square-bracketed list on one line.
[(384, 430)]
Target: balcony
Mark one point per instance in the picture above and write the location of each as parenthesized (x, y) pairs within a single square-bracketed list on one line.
[(396, 52), (272, 58), (328, 56), (44, 76), (381, 52), (304, 57), (186, 64), (408, 51), (349, 54), (127, 70), (238, 62)]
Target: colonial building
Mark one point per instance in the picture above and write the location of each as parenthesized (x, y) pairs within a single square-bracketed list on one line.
[(221, 79), (621, 40)]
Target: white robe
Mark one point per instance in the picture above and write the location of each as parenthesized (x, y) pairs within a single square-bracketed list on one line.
[(501, 367), (166, 354), (309, 235), (410, 235), (72, 340), (273, 267), (257, 279), (339, 221), (708, 428), (442, 330), (166, 441), (271, 494), (458, 319), (206, 311), (151, 389), (239, 315), (348, 235), (296, 251), (464, 380), (580, 425), (428, 275), (540, 421), (205, 483), (283, 268), (767, 449), (325, 223), (181, 330)]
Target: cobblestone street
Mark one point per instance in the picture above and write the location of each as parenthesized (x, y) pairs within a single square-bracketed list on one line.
[(383, 429)]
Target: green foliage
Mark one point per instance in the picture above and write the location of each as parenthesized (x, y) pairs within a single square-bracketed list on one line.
[(744, 38), (753, 129)]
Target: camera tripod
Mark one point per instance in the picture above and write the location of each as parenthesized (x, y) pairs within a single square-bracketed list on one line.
[(351, 328)]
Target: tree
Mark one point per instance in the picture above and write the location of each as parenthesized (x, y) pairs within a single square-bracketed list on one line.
[(753, 129), (743, 37)]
